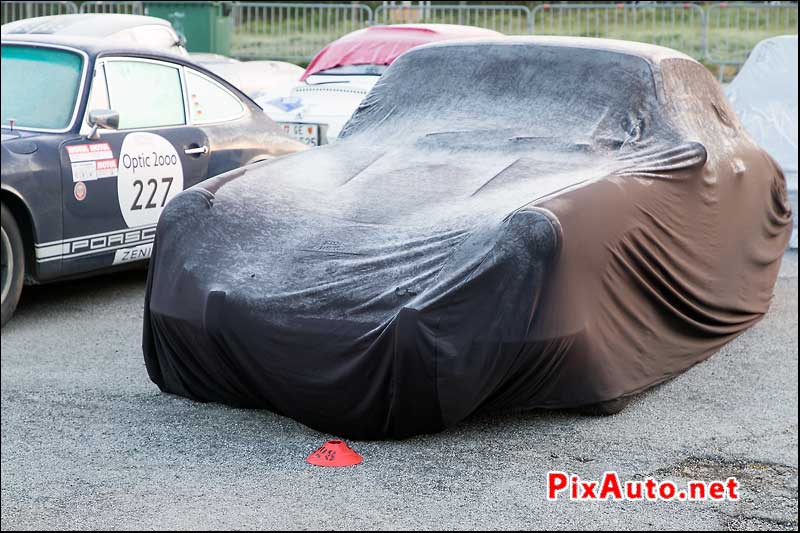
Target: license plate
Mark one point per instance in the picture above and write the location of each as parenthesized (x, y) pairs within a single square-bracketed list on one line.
[(305, 133)]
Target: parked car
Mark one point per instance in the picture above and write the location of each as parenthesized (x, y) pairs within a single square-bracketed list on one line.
[(764, 95), (96, 139), (257, 79), (504, 224), (342, 73), (260, 80), (134, 30)]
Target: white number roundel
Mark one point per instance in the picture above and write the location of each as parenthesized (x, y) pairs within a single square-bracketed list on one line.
[(150, 174)]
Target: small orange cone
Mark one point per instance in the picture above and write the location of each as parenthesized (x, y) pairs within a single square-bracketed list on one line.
[(334, 453)]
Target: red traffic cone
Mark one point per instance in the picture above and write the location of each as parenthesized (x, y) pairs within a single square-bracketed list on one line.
[(334, 453)]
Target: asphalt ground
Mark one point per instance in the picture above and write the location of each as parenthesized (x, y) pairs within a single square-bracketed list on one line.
[(89, 442)]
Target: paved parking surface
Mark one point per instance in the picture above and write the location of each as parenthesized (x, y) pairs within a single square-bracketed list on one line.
[(89, 442)]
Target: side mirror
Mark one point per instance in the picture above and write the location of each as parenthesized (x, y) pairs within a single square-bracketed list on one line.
[(102, 118)]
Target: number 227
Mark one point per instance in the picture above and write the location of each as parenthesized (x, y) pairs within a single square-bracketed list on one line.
[(154, 183)]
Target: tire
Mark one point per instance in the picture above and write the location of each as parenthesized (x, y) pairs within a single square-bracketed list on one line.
[(611, 407), (12, 258)]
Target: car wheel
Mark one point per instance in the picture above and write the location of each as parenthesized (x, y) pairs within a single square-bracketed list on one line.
[(611, 407), (12, 259)]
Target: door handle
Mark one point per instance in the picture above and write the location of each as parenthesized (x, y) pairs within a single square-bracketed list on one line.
[(196, 151)]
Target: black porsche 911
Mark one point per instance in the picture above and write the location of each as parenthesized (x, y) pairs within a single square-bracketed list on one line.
[(96, 139)]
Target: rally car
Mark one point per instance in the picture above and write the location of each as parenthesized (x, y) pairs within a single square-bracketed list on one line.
[(96, 139), (342, 73)]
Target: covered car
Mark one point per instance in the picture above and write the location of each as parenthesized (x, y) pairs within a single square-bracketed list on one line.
[(480, 239), (342, 74), (260, 80), (134, 30), (764, 95)]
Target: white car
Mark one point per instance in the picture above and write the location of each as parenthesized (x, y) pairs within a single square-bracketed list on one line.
[(316, 110), (342, 73), (260, 80), (135, 30), (764, 95)]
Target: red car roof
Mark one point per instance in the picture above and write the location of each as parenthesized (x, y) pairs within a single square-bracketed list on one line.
[(381, 45)]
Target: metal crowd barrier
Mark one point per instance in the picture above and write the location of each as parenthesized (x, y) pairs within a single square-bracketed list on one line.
[(719, 34), (674, 25), (511, 20), (292, 32), (732, 30), (125, 8), (12, 11)]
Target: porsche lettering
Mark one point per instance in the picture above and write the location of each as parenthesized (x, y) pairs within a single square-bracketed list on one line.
[(111, 241)]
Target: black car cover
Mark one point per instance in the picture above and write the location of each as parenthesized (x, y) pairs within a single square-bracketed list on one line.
[(515, 223)]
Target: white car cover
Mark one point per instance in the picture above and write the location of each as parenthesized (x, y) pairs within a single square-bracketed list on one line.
[(764, 95), (260, 80), (328, 100)]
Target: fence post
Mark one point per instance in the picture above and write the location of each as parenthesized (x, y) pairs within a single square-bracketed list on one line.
[(529, 17), (705, 35)]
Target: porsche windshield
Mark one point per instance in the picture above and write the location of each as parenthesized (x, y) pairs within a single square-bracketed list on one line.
[(39, 87)]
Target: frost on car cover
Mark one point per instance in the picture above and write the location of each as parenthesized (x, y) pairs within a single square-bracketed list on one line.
[(517, 223), (764, 95)]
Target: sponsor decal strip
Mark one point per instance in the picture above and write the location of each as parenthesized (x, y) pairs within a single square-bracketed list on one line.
[(89, 152), (98, 251), (50, 243), (94, 244), (137, 253)]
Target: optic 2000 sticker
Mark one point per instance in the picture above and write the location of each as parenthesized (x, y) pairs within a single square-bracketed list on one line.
[(150, 175)]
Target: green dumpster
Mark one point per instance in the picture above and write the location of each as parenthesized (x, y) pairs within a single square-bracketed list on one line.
[(206, 25)]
